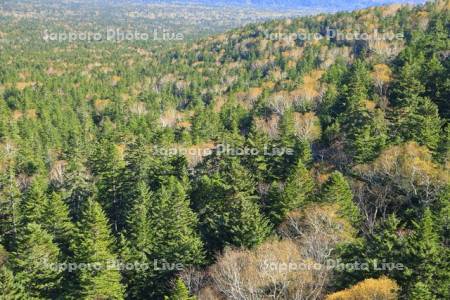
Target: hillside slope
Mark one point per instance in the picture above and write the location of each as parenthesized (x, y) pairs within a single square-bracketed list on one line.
[(303, 158)]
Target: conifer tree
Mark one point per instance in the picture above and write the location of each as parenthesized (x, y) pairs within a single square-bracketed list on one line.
[(356, 87), (297, 188), (228, 209), (415, 117), (4, 116), (172, 240), (36, 262), (408, 87), (57, 222), (139, 244), (107, 167), (421, 291), (365, 134), (386, 245), (10, 287), (425, 124), (257, 164), (93, 247), (34, 203), (365, 131), (180, 292), (337, 190), (444, 147), (138, 220), (428, 257), (294, 149), (287, 129), (138, 162), (444, 216), (172, 224), (10, 200), (77, 186)]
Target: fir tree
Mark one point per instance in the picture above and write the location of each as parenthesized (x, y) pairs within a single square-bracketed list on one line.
[(10, 287), (139, 161), (57, 222), (138, 220), (10, 200), (34, 204), (293, 149), (427, 257), (93, 247), (356, 87), (36, 262), (426, 124), (408, 86), (180, 292), (297, 188), (257, 164), (386, 245), (444, 146), (421, 291), (108, 167), (444, 215), (415, 117), (365, 130), (173, 224), (228, 209), (337, 190), (139, 244), (77, 185), (173, 240), (365, 133)]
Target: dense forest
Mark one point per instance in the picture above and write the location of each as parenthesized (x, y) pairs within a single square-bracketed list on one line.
[(253, 164)]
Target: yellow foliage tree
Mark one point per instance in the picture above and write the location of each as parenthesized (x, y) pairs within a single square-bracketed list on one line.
[(369, 289), (381, 75)]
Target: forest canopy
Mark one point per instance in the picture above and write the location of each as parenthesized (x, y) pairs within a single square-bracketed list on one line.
[(242, 165)]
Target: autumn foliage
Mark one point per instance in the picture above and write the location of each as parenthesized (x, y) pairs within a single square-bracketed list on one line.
[(369, 289)]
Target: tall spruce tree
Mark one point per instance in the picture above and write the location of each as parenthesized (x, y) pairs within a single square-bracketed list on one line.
[(293, 195), (179, 292), (173, 239), (10, 200), (36, 262), (139, 244), (426, 124), (33, 206), (93, 247), (228, 209), (415, 116), (365, 130), (11, 288), (429, 257), (77, 185), (57, 222), (337, 190), (257, 164), (356, 86), (383, 245), (292, 149), (365, 134), (421, 291), (444, 216), (173, 224), (138, 220), (108, 167)]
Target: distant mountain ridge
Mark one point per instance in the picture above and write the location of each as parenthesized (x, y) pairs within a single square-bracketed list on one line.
[(295, 4)]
